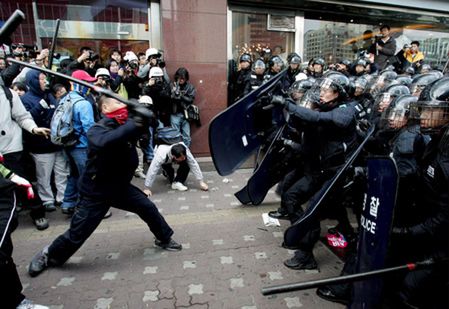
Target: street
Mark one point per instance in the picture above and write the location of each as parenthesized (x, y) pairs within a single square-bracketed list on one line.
[(228, 256)]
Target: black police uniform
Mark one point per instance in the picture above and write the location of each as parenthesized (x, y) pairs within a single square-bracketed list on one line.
[(241, 84), (106, 182), (330, 142)]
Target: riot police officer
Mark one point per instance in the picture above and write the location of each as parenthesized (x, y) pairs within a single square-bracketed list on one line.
[(257, 75), (241, 80), (324, 151)]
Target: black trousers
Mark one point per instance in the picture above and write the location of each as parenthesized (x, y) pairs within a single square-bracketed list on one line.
[(14, 162), (89, 213), (181, 175), (10, 285)]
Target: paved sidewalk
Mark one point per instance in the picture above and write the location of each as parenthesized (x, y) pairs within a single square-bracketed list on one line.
[(228, 256)]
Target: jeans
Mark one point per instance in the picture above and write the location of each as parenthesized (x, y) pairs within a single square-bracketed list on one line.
[(77, 158), (179, 122), (89, 214)]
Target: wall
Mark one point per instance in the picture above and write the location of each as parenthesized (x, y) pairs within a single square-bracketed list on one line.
[(194, 36)]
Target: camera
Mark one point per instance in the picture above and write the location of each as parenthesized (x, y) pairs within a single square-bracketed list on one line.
[(133, 65), (93, 56), (160, 63)]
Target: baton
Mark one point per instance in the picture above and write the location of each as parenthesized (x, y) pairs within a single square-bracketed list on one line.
[(10, 26), (291, 287), (53, 44), (133, 105)]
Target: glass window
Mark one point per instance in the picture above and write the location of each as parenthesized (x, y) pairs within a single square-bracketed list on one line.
[(251, 34)]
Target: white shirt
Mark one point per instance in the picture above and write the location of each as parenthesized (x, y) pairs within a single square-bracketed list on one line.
[(162, 155)]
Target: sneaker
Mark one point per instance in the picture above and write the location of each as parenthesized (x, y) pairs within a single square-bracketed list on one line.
[(41, 223), (49, 206), (140, 174), (279, 214), (170, 245), (329, 294), (28, 304), (178, 186), (301, 260), (39, 263)]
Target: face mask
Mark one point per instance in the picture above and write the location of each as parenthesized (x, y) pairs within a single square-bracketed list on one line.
[(120, 115)]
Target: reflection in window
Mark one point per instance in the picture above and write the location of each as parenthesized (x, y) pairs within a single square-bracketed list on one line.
[(250, 35)]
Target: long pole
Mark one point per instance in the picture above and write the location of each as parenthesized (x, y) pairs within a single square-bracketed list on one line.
[(53, 45), (285, 288)]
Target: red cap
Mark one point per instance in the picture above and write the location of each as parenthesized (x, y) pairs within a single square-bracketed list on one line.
[(83, 75)]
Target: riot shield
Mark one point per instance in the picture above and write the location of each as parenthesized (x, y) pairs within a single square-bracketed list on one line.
[(238, 131), (302, 225), (375, 225)]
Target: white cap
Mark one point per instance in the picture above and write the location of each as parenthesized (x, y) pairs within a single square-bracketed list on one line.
[(145, 99), (156, 72), (102, 72), (152, 52), (300, 76), (130, 56)]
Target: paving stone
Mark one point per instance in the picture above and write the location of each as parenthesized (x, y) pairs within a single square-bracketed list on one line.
[(275, 275), (236, 283), (184, 208), (189, 264), (249, 238), (217, 242), (210, 205), (66, 281), (103, 303), (75, 259), (150, 270), (150, 296), (226, 260), (293, 302), (109, 276), (278, 234), (195, 289), (260, 255)]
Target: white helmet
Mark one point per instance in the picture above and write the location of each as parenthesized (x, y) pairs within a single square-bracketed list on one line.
[(152, 52), (130, 56), (102, 72), (156, 72), (146, 100)]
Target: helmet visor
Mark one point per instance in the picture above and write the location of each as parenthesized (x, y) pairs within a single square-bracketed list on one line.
[(431, 115)]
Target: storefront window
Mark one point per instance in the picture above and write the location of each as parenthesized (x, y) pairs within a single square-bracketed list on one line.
[(255, 33)]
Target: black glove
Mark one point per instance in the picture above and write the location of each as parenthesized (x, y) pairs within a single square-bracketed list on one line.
[(142, 116), (278, 100)]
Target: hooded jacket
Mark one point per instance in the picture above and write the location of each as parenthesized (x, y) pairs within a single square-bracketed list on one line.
[(41, 106)]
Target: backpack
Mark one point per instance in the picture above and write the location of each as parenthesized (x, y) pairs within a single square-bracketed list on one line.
[(167, 136), (61, 125)]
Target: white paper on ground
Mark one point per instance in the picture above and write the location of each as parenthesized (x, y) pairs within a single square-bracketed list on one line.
[(268, 221)]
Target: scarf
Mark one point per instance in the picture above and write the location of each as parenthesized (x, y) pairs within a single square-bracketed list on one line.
[(120, 115)]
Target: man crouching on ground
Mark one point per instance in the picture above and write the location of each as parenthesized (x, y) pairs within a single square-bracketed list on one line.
[(106, 182)]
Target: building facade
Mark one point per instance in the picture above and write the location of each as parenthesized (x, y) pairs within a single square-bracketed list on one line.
[(207, 36)]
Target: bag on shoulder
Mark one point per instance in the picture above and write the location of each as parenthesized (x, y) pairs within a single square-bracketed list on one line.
[(61, 125), (192, 113), (167, 136)]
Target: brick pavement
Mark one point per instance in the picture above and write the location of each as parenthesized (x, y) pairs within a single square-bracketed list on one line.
[(228, 256)]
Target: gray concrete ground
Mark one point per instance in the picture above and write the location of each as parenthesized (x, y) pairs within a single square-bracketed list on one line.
[(228, 256)]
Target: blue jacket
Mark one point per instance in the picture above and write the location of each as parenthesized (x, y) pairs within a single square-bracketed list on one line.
[(83, 117), (41, 113), (112, 159)]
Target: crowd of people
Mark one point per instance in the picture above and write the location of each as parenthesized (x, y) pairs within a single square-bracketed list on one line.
[(56, 141), (329, 109), (56, 168)]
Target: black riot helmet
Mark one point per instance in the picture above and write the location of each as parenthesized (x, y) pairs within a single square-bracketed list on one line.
[(331, 84), (432, 108), (396, 115), (311, 98), (404, 80), (259, 64), (298, 88), (294, 58), (319, 61), (420, 81), (276, 61), (360, 85), (245, 57), (384, 99)]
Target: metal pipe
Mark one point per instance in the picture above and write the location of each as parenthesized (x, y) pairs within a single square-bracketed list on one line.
[(291, 287)]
